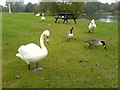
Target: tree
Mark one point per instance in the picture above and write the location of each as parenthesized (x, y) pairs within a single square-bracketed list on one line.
[(36, 8), (92, 7), (9, 2), (14, 5), (76, 8), (66, 6), (50, 8), (29, 7), (71, 7)]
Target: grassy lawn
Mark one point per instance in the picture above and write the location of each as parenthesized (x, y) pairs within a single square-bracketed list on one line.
[(62, 67)]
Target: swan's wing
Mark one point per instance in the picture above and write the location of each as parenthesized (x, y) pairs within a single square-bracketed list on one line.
[(90, 26), (94, 25), (30, 51)]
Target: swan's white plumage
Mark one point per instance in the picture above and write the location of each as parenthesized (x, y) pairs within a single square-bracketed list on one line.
[(42, 18), (92, 25), (32, 52), (37, 14)]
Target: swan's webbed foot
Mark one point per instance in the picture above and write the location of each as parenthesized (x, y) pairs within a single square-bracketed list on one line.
[(37, 69)]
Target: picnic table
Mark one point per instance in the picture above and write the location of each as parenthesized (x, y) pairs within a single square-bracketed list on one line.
[(65, 17)]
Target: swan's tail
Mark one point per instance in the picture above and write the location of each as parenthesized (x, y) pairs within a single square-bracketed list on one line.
[(18, 55)]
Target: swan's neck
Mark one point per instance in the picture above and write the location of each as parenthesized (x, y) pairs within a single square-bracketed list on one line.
[(42, 43)]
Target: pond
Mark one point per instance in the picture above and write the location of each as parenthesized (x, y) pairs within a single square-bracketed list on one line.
[(102, 17)]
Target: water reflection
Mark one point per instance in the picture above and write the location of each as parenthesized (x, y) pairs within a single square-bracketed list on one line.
[(109, 19), (102, 17)]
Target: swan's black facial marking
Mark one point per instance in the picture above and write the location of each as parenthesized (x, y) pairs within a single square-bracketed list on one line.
[(47, 40), (47, 36)]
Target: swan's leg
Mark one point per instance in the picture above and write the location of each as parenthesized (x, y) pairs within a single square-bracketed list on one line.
[(89, 31), (37, 68), (29, 66), (36, 64)]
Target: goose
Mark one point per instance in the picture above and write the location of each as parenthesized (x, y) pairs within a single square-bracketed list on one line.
[(96, 42), (92, 26), (34, 53), (69, 35)]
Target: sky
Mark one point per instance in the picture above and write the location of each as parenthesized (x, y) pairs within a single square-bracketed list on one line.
[(2, 2)]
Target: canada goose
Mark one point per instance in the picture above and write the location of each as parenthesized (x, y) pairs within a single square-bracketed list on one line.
[(96, 42), (92, 26), (69, 35), (32, 52)]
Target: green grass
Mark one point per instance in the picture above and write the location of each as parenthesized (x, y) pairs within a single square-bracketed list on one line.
[(62, 67)]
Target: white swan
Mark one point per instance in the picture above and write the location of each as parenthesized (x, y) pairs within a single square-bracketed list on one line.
[(38, 14), (69, 35), (92, 26), (42, 18), (32, 52)]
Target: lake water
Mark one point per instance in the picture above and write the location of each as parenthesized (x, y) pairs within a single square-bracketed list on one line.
[(102, 17)]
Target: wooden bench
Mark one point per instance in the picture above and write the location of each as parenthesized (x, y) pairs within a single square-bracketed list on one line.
[(65, 17)]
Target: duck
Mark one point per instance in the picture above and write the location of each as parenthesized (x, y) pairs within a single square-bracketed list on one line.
[(69, 35), (33, 52), (96, 42), (92, 26)]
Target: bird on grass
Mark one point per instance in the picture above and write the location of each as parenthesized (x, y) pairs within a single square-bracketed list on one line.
[(38, 14), (92, 26), (69, 35), (34, 53), (96, 42), (43, 18)]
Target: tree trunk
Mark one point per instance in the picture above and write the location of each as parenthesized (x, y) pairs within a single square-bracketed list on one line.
[(9, 6)]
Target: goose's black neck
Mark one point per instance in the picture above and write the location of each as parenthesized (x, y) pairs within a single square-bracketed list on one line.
[(71, 30), (103, 43)]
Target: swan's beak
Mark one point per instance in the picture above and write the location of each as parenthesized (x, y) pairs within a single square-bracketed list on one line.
[(47, 39)]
